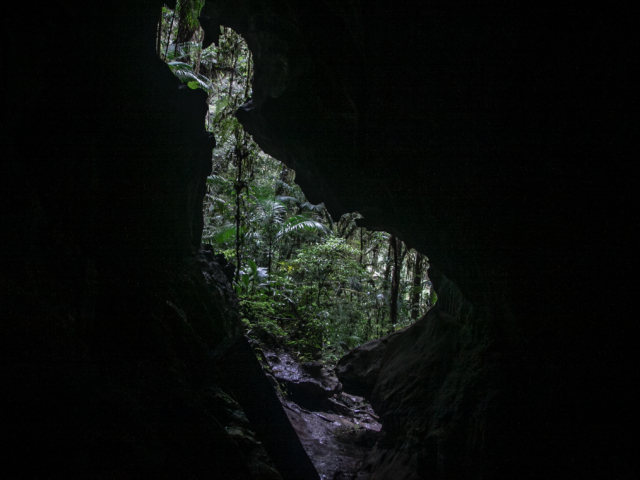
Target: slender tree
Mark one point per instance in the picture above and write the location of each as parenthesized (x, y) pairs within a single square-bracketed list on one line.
[(239, 187), (159, 35), (166, 50), (395, 283), (416, 287)]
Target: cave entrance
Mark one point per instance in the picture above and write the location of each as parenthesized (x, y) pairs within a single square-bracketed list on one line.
[(323, 286)]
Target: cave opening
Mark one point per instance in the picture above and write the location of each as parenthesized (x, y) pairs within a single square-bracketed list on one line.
[(310, 289), (123, 349), (294, 264)]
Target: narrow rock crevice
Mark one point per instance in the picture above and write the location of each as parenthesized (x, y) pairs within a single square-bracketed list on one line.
[(337, 429)]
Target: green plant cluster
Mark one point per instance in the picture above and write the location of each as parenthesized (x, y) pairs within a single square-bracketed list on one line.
[(322, 301), (321, 286)]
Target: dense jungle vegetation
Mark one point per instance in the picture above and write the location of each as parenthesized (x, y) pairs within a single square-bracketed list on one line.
[(322, 286)]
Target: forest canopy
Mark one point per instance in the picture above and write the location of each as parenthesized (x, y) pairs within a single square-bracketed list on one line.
[(322, 285)]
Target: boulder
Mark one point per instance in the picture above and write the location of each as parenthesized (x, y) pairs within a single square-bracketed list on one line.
[(241, 372), (444, 387), (309, 384), (358, 370)]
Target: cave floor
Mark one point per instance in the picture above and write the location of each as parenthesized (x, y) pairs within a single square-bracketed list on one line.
[(336, 443)]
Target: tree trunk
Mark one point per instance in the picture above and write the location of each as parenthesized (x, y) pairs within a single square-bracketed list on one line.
[(233, 72), (249, 73), (159, 37), (270, 254), (199, 57), (283, 180), (395, 283), (166, 50), (238, 188), (186, 29), (375, 252), (387, 269), (417, 287)]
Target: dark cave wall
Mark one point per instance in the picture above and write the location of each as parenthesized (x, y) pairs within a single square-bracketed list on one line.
[(495, 139), (105, 326), (492, 138), (115, 325), (458, 401)]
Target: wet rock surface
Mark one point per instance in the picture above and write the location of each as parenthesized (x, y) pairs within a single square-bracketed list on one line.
[(310, 384), (358, 370), (336, 429), (241, 373), (336, 443)]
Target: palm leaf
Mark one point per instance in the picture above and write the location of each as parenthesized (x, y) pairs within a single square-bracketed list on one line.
[(284, 185), (283, 199), (185, 72), (319, 208), (222, 235), (180, 66), (301, 222)]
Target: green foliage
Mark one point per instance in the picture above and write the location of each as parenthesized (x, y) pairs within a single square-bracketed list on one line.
[(322, 286), (185, 72), (301, 221)]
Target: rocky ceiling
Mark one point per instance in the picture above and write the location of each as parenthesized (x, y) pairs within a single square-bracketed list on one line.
[(491, 137)]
